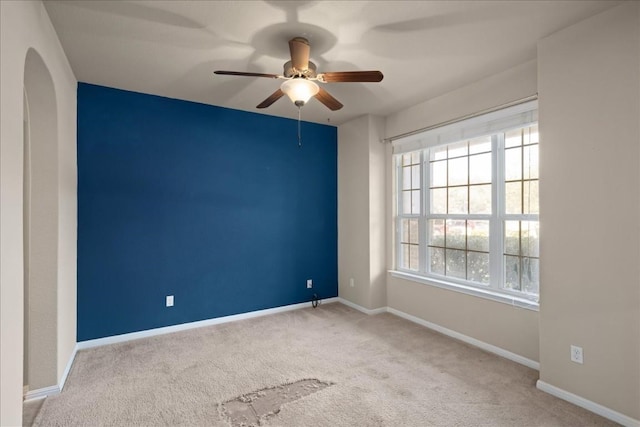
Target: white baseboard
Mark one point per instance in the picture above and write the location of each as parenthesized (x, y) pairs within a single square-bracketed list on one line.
[(588, 404), (41, 393), (192, 325), (65, 374), (469, 340), (361, 308), (451, 333)]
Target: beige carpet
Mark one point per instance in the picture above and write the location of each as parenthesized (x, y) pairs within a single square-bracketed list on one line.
[(364, 370), (30, 410)]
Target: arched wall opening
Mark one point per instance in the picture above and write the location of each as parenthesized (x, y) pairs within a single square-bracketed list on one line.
[(40, 225)]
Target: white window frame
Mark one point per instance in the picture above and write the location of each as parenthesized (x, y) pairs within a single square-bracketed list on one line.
[(494, 124)]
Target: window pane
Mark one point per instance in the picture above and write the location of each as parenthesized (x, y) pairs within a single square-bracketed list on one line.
[(439, 174), (458, 174), (530, 239), (512, 237), (458, 200), (456, 234), (409, 231), (478, 267), (530, 162), (413, 231), (406, 159), (513, 197), (513, 138), (478, 235), (456, 263), (415, 201), (404, 231), (409, 251), (480, 145), (480, 169), (438, 153), (415, 157), (406, 178), (458, 149), (480, 199), (436, 256), (415, 176), (439, 201), (406, 202), (530, 195), (512, 272), (413, 257), (530, 275), (436, 232), (534, 138), (404, 262), (513, 164)]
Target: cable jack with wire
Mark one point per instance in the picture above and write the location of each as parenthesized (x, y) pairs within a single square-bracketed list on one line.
[(314, 301)]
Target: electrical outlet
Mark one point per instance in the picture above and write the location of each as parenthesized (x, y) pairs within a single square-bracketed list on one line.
[(351, 282), (309, 283), (576, 354), (169, 300)]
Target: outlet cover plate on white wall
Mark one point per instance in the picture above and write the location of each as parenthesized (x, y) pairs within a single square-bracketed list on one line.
[(576, 354)]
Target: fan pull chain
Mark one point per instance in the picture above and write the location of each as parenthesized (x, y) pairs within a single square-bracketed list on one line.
[(299, 133)]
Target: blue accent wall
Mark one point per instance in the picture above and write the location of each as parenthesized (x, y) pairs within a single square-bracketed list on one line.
[(218, 207)]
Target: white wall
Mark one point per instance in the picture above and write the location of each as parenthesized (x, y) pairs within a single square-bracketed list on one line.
[(24, 25), (353, 210), (377, 213), (41, 248), (511, 328), (589, 84), (362, 212), (509, 85)]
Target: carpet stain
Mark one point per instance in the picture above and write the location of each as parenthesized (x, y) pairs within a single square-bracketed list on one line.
[(253, 409)]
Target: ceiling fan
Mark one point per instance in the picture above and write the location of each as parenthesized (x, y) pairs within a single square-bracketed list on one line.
[(300, 75)]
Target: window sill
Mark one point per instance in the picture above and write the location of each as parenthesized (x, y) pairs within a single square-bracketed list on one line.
[(480, 293)]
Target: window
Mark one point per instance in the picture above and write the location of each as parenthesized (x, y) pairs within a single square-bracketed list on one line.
[(520, 218), (410, 195), (467, 209)]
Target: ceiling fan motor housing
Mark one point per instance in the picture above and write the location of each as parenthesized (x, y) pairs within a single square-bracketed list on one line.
[(289, 71)]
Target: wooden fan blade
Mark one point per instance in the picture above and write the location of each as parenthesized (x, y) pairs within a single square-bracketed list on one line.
[(350, 76), (300, 50), (241, 73), (271, 99), (329, 101)]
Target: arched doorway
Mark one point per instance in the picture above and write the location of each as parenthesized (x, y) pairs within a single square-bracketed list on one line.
[(40, 225)]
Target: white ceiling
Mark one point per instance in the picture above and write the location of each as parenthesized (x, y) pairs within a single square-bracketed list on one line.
[(424, 48)]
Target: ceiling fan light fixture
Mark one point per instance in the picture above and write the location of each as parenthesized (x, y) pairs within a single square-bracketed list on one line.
[(300, 76), (299, 90)]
